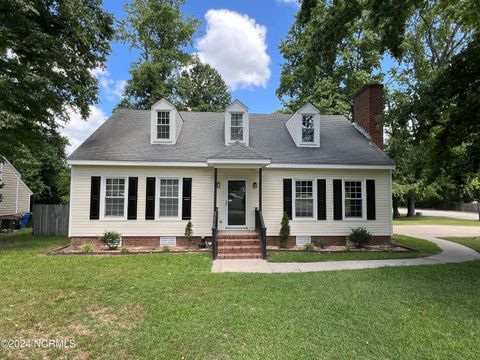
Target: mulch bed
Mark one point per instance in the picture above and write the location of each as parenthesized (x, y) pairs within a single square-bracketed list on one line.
[(105, 251), (340, 249)]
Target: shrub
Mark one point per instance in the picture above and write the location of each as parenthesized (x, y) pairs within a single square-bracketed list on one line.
[(348, 248), (124, 250), (359, 237), (284, 231), (165, 248), (111, 239), (189, 232), (87, 247), (309, 247)]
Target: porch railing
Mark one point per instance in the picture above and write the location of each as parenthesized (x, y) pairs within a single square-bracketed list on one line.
[(214, 234), (262, 231)]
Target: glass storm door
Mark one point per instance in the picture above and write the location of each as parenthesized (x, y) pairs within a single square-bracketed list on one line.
[(236, 203)]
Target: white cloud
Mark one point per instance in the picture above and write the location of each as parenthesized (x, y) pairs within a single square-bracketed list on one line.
[(113, 89), (235, 45), (77, 130)]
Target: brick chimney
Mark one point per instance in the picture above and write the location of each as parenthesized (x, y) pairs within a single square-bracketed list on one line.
[(367, 105)]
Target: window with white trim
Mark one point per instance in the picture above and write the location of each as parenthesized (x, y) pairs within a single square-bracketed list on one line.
[(304, 198), (308, 129), (114, 197), (163, 125), (236, 127), (169, 198), (353, 199)]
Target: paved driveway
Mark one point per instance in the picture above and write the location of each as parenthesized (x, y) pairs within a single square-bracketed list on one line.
[(451, 253), (453, 214)]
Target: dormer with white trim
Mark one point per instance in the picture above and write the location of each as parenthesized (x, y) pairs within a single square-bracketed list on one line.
[(304, 126), (236, 123), (166, 123)]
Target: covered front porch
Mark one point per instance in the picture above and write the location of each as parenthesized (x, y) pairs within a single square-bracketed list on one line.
[(237, 203)]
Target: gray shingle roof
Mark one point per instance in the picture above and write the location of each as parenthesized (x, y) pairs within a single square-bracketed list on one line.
[(126, 137)]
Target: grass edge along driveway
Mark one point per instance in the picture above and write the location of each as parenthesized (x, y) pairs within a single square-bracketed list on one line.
[(421, 247)]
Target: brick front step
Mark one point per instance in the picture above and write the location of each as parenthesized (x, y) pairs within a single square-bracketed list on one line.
[(237, 236), (233, 242), (238, 249), (239, 256)]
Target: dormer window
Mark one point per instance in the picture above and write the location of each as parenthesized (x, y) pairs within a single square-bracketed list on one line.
[(308, 129), (236, 127), (163, 125), (236, 123)]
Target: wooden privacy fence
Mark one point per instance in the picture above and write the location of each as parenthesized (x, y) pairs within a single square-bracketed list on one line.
[(50, 220)]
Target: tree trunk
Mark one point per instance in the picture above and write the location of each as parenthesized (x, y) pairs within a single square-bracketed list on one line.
[(396, 213), (411, 204)]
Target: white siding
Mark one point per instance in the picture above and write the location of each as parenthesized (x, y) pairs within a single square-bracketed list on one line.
[(273, 202), (202, 202), (16, 195)]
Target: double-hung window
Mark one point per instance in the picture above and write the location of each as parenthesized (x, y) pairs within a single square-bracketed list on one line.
[(169, 198), (163, 125), (308, 129), (304, 195), (236, 127), (114, 197), (353, 198)]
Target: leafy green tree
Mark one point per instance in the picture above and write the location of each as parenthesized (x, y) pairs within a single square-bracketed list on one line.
[(160, 32), (48, 50), (328, 57), (201, 88)]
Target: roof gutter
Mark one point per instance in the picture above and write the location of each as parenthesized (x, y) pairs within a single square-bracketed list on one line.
[(331, 166), (136, 163)]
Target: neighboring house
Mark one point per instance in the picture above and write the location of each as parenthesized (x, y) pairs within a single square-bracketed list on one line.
[(15, 194), (146, 173)]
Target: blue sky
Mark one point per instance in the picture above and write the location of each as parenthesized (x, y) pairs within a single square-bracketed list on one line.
[(240, 38)]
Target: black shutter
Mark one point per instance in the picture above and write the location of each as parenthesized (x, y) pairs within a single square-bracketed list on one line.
[(150, 199), (371, 200), (187, 199), (95, 197), (321, 200), (287, 197), (132, 198), (337, 200)]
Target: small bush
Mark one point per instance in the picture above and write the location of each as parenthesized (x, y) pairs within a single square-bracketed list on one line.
[(87, 247), (359, 237), (322, 244), (309, 247), (189, 232), (124, 250), (165, 248), (284, 231), (348, 248), (111, 239)]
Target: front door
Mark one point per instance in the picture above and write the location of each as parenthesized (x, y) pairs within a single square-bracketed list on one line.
[(236, 203)]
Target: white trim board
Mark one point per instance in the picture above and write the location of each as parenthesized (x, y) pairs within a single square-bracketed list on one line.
[(137, 163)]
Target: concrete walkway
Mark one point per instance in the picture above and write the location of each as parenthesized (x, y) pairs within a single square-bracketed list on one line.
[(447, 213), (451, 253)]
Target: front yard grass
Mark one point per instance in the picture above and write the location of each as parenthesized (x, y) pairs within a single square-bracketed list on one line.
[(172, 306), (471, 242), (421, 247), (434, 220)]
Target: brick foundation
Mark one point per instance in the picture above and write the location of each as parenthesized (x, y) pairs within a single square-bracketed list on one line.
[(136, 241), (329, 240)]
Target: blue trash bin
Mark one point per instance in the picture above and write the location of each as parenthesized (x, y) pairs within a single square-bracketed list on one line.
[(24, 221)]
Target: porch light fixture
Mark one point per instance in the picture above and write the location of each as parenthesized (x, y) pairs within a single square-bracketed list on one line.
[(254, 185), (218, 184)]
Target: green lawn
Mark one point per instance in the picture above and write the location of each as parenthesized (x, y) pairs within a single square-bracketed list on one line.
[(471, 242), (434, 220), (423, 248), (171, 306)]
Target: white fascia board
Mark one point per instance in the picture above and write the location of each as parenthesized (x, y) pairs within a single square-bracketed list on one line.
[(331, 166), (239, 161), (137, 163)]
